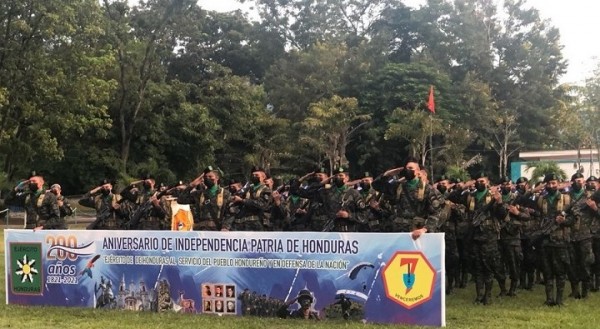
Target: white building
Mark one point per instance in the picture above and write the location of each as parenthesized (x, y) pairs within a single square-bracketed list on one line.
[(566, 160)]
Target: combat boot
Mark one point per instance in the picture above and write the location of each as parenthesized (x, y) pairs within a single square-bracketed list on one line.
[(575, 290), (530, 280), (559, 295), (487, 298), (549, 298), (502, 284), (479, 290), (596, 286), (585, 288), (513, 288), (523, 280), (464, 278)]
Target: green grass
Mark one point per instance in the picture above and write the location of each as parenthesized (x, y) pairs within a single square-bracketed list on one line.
[(524, 311)]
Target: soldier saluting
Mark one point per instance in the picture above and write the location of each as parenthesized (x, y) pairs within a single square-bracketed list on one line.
[(340, 202), (209, 200), (417, 205), (106, 203)]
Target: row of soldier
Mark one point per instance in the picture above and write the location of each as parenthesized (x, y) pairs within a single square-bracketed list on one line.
[(490, 231)]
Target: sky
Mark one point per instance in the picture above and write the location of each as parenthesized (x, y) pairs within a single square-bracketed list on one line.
[(577, 20)]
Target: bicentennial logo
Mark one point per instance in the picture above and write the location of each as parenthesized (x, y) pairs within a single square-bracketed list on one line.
[(409, 278), (26, 268)]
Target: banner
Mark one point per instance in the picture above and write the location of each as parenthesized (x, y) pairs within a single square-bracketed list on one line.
[(369, 277)]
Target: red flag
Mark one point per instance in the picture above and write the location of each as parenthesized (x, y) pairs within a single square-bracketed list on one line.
[(431, 102)]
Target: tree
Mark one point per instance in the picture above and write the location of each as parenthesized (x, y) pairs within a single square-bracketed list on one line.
[(141, 37), (53, 81), (542, 168), (330, 127)]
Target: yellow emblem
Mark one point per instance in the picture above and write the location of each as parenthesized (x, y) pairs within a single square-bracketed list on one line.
[(409, 278)]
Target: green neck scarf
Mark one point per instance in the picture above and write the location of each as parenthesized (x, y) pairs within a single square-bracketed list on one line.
[(294, 199), (213, 190), (413, 184), (553, 196), (340, 190), (480, 195)]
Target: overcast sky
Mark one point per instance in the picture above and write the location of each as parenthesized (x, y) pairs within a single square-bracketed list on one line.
[(577, 20)]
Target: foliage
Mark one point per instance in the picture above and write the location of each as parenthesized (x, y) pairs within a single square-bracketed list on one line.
[(542, 168), (92, 89)]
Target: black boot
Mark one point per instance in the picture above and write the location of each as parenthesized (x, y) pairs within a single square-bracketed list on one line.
[(450, 284), (479, 291), (596, 286), (575, 290), (487, 298), (549, 294), (502, 284), (464, 278), (522, 281), (513, 288), (585, 288), (560, 287), (530, 280)]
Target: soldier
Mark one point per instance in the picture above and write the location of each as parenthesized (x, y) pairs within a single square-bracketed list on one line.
[(29, 195), (453, 212), (485, 210), (371, 198), (317, 215), (591, 185), (252, 205), (342, 204), (555, 238), (49, 216), (526, 206), (63, 204), (417, 204), (510, 234), (149, 213), (595, 230), (209, 201), (584, 213), (577, 193), (293, 211), (458, 196), (106, 203)]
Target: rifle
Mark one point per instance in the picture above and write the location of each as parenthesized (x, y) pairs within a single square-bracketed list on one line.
[(144, 210), (547, 227), (480, 214), (105, 214), (330, 224)]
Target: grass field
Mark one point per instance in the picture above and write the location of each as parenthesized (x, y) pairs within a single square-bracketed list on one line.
[(524, 311)]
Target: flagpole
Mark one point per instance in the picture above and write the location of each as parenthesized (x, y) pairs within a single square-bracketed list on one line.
[(432, 177), (431, 107)]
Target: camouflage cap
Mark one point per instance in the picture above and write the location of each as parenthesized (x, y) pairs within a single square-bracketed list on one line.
[(522, 180)]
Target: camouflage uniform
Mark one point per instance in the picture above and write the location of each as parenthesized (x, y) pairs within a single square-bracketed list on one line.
[(293, 212), (485, 216), (451, 215), (30, 200), (581, 243), (510, 240), (209, 206), (334, 199), (49, 213), (369, 214), (417, 205), (554, 243), (149, 216), (249, 214), (108, 215)]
